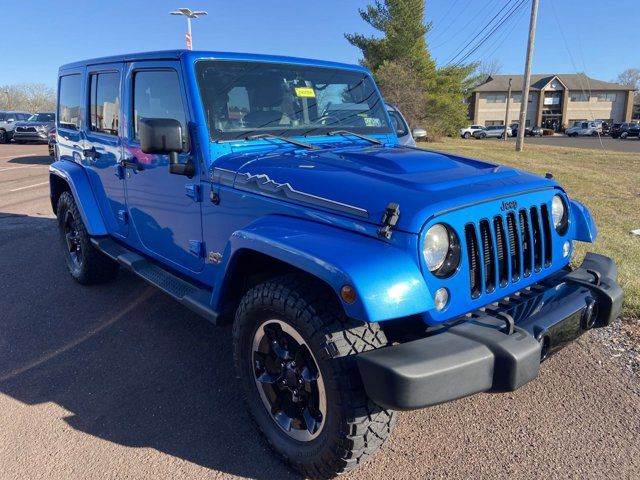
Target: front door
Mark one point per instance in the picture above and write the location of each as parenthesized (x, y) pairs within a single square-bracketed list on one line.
[(163, 209), (103, 145)]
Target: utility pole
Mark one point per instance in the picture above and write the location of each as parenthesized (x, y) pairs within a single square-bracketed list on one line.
[(506, 115), (189, 14), (527, 76)]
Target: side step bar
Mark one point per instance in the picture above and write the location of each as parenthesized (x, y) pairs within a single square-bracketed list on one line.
[(194, 298)]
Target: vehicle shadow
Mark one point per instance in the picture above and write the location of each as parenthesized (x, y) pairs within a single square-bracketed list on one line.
[(133, 366), (43, 159)]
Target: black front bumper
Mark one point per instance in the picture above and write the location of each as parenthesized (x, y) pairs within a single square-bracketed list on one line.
[(498, 349)]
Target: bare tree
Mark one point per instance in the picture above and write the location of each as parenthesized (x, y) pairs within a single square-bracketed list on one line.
[(487, 68), (30, 97), (631, 77)]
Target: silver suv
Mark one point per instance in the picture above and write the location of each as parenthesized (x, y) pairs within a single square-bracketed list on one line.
[(8, 121)]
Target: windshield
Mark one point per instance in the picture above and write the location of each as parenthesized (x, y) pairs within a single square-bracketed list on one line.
[(42, 117), (247, 98)]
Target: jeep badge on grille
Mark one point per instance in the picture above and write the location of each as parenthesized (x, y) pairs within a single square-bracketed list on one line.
[(510, 205)]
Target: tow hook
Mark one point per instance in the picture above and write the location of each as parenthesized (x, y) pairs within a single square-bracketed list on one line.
[(389, 219)]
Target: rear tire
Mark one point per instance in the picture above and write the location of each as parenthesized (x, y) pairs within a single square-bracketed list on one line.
[(301, 312), (85, 263), (624, 135), (467, 135)]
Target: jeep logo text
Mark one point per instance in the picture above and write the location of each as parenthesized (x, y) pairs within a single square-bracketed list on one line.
[(511, 205)]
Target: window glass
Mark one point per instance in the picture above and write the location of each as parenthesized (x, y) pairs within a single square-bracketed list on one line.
[(401, 128), (42, 117), (606, 97), (496, 98), (3, 116), (104, 104), (489, 123), (579, 97), (69, 96), (156, 94), (248, 98)]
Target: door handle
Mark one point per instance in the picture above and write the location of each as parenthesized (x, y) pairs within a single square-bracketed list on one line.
[(131, 163), (91, 153)]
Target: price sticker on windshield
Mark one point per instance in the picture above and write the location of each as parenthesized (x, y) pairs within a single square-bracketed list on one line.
[(306, 92)]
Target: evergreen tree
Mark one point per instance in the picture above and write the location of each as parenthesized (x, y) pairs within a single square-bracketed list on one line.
[(402, 53)]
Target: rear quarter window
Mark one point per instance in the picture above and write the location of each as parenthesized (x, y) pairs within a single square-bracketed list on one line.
[(69, 101)]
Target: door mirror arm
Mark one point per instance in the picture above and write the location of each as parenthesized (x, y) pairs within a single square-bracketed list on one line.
[(187, 168)]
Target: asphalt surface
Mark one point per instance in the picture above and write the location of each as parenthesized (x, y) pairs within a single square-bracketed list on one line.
[(629, 145), (119, 382)]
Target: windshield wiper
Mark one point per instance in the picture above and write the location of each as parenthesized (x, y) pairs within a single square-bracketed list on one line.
[(284, 139), (348, 132)]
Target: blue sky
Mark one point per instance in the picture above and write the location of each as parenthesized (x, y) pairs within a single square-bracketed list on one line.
[(39, 36)]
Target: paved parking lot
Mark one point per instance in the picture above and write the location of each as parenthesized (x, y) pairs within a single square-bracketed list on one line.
[(119, 381), (630, 145)]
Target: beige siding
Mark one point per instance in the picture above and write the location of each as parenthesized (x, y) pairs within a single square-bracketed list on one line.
[(597, 110), (486, 112)]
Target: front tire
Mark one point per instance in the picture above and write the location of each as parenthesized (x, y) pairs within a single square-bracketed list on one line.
[(294, 354), (4, 137), (85, 263), (467, 135)]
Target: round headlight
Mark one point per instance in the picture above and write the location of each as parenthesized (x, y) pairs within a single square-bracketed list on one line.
[(559, 214), (436, 246), (441, 250)]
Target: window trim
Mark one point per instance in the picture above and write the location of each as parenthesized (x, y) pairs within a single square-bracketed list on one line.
[(87, 115), (132, 98)]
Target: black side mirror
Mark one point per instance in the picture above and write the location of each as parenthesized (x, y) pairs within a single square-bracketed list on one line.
[(163, 136)]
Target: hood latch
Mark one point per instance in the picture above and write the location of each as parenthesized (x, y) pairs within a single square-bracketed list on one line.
[(389, 219)]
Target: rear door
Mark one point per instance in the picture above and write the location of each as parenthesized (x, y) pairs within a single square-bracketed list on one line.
[(164, 208), (102, 151)]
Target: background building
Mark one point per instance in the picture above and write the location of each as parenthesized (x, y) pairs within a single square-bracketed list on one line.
[(555, 101)]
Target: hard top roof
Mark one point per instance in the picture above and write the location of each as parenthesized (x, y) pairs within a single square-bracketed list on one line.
[(191, 56)]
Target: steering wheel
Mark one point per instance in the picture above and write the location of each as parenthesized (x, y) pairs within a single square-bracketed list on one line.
[(329, 119)]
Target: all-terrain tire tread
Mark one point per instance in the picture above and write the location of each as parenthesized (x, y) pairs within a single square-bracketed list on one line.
[(367, 425)]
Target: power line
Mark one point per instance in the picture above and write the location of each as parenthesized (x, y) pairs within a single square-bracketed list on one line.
[(462, 29), (443, 30), (461, 51), (508, 16)]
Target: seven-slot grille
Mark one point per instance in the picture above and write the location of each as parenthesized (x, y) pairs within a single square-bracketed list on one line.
[(508, 247)]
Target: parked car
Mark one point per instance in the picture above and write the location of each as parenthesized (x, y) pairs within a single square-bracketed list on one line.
[(405, 135), (493, 131), (8, 121), (332, 249), (467, 132), (606, 129), (626, 129), (583, 129), (528, 131), (51, 142), (35, 129)]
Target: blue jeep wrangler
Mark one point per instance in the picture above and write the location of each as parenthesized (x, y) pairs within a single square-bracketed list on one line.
[(361, 277)]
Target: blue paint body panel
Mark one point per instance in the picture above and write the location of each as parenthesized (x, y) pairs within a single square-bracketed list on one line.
[(318, 210)]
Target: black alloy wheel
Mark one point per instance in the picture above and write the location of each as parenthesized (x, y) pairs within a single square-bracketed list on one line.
[(288, 380)]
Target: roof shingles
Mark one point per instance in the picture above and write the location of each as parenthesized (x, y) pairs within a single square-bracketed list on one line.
[(573, 81)]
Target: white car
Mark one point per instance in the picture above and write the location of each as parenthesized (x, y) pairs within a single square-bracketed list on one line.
[(405, 136), (584, 129), (468, 131)]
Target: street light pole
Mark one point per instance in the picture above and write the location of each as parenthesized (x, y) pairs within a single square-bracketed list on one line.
[(189, 14), (527, 76)]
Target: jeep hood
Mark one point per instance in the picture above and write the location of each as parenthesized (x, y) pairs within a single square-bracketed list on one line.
[(424, 183)]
